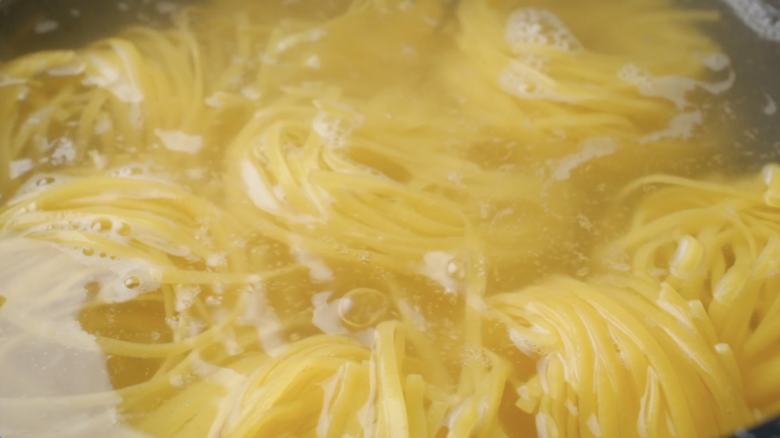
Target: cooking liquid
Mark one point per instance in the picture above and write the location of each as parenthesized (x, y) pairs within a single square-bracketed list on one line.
[(405, 77)]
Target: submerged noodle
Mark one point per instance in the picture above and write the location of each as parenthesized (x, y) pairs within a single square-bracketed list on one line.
[(597, 343), (717, 244), (309, 171), (275, 220)]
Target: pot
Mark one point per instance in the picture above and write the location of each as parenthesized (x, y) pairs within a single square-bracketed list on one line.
[(31, 25)]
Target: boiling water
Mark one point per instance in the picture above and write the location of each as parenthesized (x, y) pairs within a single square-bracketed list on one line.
[(534, 187)]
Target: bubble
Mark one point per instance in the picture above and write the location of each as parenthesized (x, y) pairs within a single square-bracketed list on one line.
[(132, 282), (637, 76), (45, 181), (522, 81), (362, 307), (101, 225), (92, 288), (536, 26), (124, 229), (334, 123), (132, 170), (88, 252), (456, 269)]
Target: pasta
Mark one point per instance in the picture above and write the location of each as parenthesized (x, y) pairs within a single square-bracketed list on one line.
[(715, 242), (596, 343), (153, 90), (364, 219), (539, 76), (310, 168)]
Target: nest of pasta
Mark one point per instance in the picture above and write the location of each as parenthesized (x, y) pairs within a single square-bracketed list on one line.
[(270, 220)]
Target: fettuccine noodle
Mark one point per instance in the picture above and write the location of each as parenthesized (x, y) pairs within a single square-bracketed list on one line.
[(716, 243), (364, 219)]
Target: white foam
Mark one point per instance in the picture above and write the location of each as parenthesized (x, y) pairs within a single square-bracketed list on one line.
[(20, 167), (36, 301), (716, 61), (122, 279), (326, 315), (536, 26), (64, 151), (259, 314), (675, 88), (590, 149), (436, 267), (758, 15), (178, 141), (318, 270), (335, 122), (103, 74), (215, 259), (523, 81), (680, 127)]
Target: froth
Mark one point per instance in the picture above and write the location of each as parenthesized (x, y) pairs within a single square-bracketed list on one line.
[(525, 82), (760, 16), (536, 26)]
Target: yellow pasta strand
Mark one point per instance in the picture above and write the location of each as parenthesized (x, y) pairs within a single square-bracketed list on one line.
[(604, 342), (715, 242), (270, 219)]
